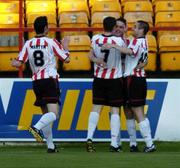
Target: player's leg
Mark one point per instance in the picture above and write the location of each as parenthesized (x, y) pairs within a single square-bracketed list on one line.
[(93, 120), (45, 121), (115, 129), (131, 128), (92, 124), (138, 95), (115, 100), (47, 132), (49, 117), (144, 127), (98, 101), (45, 97)]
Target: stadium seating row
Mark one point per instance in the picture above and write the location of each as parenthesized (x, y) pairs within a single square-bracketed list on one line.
[(82, 14), (79, 12), (169, 51)]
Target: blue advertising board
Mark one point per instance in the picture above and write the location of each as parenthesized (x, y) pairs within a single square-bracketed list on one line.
[(76, 103)]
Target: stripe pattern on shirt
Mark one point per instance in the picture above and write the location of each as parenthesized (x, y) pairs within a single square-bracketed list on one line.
[(114, 69), (41, 53)]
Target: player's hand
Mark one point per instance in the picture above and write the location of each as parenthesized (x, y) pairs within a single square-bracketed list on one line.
[(67, 60), (100, 62), (141, 65), (107, 46), (16, 63), (65, 42)]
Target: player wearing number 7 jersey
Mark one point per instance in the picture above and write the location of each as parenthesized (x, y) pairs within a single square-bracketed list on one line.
[(107, 84), (41, 52)]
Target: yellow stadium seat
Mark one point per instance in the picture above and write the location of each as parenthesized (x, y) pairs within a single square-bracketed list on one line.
[(124, 1), (166, 19), (168, 32), (40, 7), (152, 44), (70, 6), (170, 61), (80, 43), (169, 49), (138, 6), (106, 6), (132, 17), (73, 20), (79, 47), (9, 7), (138, 10), (79, 62), (91, 2), (166, 6), (154, 2), (10, 20), (169, 43), (151, 65), (152, 53), (32, 16), (98, 17)]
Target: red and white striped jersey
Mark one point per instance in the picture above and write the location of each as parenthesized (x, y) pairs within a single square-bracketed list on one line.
[(41, 54), (111, 56), (123, 56), (139, 48)]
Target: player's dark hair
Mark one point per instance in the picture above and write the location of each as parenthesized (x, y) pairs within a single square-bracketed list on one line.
[(121, 19), (109, 23), (143, 25), (39, 24)]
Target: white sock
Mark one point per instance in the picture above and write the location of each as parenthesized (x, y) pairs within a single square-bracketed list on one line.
[(131, 128), (92, 124), (115, 127), (47, 132), (45, 120), (145, 130)]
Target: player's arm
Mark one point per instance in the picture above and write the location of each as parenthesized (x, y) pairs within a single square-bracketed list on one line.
[(65, 43), (98, 61), (143, 60), (60, 52), (123, 50), (22, 57)]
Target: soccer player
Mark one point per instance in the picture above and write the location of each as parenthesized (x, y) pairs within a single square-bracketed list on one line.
[(107, 83), (135, 79), (41, 52), (120, 31)]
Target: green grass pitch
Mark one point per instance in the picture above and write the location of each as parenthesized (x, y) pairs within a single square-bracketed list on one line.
[(74, 155)]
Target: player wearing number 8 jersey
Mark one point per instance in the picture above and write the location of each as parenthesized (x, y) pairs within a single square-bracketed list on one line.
[(41, 52), (107, 83)]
